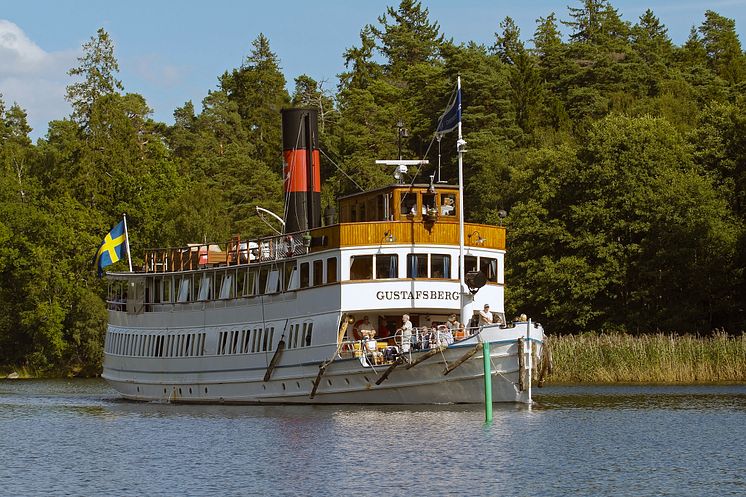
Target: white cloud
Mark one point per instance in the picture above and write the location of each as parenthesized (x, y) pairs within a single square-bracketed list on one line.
[(33, 78)]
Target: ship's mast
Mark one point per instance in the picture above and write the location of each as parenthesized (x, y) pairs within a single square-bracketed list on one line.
[(460, 148)]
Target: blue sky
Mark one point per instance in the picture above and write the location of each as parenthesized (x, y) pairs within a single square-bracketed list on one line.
[(171, 52)]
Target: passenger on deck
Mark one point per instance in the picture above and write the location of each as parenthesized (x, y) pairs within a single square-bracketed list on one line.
[(366, 328), (452, 323), (406, 333), (485, 316)]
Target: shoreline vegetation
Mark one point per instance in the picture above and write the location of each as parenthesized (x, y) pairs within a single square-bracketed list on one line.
[(607, 358), (617, 154), (660, 358)]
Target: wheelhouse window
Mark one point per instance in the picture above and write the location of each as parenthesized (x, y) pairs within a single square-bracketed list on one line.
[(416, 265), (428, 204), (331, 270), (361, 267), (408, 204), (387, 266), (448, 205), (440, 266)]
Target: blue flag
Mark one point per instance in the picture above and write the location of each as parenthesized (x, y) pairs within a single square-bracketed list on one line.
[(112, 249), (452, 116)]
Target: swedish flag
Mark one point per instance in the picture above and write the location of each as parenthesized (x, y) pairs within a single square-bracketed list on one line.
[(112, 249)]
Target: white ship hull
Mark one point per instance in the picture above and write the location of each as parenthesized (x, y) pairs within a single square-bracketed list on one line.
[(345, 380)]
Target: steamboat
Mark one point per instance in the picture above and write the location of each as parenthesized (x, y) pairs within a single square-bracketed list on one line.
[(316, 312)]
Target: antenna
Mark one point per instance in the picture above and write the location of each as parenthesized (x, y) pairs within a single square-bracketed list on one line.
[(402, 166)]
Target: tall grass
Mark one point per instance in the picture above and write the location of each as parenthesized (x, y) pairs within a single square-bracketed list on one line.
[(654, 358)]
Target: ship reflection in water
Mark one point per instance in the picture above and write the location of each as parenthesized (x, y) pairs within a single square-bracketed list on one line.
[(79, 438)]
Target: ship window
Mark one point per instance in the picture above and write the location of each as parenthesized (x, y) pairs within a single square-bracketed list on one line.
[(331, 270), (428, 203), (416, 265), (308, 334), (184, 284), (250, 283), (489, 267), (156, 284), (274, 280), (291, 276), (470, 264), (235, 342), (226, 286), (361, 267), (255, 341), (387, 266), (264, 339), (448, 205), (408, 205), (318, 272), (187, 347), (304, 277), (440, 266), (168, 289), (205, 287), (263, 273)]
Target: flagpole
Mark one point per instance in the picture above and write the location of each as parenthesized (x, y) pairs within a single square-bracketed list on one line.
[(460, 144), (127, 241)]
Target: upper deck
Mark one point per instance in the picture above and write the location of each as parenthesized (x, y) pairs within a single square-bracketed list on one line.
[(400, 214)]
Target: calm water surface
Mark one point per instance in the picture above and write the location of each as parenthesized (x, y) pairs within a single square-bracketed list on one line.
[(77, 438)]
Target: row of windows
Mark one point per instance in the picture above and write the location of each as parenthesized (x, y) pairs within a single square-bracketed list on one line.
[(242, 282), (386, 266), (230, 283), (298, 337), (172, 345), (245, 341)]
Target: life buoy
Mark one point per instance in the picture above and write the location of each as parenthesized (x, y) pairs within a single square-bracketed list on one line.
[(356, 330)]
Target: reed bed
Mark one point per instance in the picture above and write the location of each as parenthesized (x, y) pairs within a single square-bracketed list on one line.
[(649, 358)]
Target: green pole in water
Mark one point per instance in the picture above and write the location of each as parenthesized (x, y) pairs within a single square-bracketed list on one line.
[(487, 382)]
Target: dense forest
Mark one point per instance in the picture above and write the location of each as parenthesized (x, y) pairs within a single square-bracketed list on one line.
[(619, 156)]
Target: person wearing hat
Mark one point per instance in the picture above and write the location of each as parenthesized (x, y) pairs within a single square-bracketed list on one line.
[(485, 316)]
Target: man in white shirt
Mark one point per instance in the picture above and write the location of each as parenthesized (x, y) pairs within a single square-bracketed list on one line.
[(406, 333), (366, 328), (485, 316)]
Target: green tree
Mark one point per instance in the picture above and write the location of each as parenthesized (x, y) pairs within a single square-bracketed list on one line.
[(98, 68), (722, 47)]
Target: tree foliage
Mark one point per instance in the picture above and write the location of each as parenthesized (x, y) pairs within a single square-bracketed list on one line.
[(619, 156)]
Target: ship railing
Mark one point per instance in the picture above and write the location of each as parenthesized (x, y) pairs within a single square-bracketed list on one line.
[(235, 252), (385, 349)]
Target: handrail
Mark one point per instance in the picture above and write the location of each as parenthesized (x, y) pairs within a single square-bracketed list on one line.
[(237, 252)]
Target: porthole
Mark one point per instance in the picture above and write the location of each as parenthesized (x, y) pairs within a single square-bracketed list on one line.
[(164, 390), (205, 389), (138, 389), (190, 390), (179, 390), (329, 382), (347, 381), (297, 383), (283, 386)]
